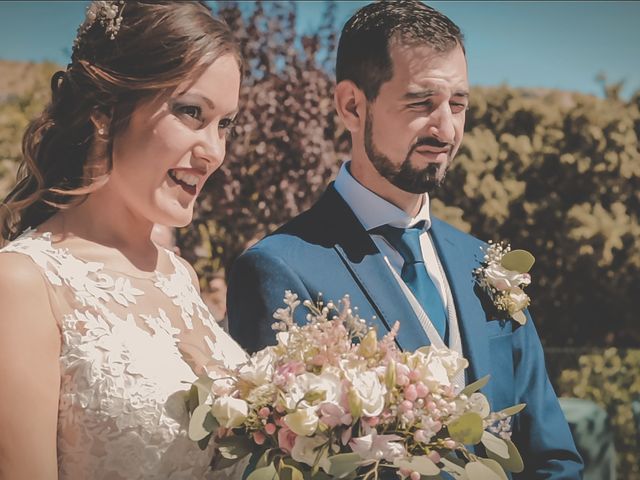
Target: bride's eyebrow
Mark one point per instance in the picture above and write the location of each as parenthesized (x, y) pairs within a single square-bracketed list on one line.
[(196, 96)]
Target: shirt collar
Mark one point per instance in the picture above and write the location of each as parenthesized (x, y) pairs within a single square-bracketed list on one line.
[(372, 210)]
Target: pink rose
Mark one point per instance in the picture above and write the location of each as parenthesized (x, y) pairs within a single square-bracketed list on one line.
[(286, 439)]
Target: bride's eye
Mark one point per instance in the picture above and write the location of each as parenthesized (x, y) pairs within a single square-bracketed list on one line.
[(191, 113)]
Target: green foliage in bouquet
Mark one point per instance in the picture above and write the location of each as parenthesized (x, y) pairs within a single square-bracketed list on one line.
[(611, 379), (331, 400)]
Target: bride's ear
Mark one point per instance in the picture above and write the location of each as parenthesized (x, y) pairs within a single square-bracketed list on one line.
[(350, 104), (102, 123)]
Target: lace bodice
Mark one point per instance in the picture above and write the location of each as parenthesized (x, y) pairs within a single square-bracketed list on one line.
[(131, 344)]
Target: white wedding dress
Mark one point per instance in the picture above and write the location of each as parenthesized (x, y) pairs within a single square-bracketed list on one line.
[(131, 344)]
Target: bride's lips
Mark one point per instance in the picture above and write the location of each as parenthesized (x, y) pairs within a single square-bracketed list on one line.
[(189, 179)]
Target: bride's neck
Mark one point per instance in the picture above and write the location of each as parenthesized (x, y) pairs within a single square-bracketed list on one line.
[(100, 221)]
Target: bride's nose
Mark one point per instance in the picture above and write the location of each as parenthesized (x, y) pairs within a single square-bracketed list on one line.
[(212, 146)]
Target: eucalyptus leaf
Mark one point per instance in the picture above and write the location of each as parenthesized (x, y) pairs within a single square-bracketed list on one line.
[(235, 447), (495, 466), (204, 442), (513, 410), (196, 428), (423, 465), (288, 472), (453, 469), (475, 386), (265, 473), (343, 464), (210, 423), (220, 462), (467, 428), (495, 444), (479, 471), (519, 261), (512, 464), (264, 459), (203, 386)]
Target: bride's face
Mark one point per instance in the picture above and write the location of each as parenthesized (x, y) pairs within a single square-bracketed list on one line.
[(174, 143)]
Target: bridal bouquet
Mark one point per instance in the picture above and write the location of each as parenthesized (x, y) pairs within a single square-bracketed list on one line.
[(331, 400)]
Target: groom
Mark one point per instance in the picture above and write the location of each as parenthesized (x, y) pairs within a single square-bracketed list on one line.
[(402, 92)]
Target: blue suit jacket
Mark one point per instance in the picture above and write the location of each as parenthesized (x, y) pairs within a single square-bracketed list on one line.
[(325, 250)]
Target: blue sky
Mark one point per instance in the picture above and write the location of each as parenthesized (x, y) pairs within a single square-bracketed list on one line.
[(554, 44)]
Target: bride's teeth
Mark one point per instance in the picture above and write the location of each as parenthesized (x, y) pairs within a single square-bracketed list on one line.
[(187, 178)]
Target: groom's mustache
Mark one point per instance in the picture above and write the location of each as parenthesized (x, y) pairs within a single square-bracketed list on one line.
[(431, 142)]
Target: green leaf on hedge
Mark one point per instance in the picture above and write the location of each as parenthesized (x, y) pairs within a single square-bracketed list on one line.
[(466, 429), (518, 261)]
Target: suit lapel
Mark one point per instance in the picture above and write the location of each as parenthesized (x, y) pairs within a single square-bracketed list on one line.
[(371, 273), (458, 265)]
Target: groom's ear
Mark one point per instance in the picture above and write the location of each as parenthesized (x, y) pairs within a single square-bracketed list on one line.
[(350, 104)]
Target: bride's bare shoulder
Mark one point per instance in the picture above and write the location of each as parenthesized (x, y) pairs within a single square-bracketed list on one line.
[(22, 285)]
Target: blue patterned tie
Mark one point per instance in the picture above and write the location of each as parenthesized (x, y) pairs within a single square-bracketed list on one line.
[(414, 272)]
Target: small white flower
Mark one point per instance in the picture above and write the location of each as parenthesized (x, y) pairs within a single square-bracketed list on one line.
[(303, 421), (230, 412), (305, 450), (374, 447), (518, 300), (369, 390)]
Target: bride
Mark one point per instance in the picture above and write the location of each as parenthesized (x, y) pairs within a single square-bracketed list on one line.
[(99, 327)]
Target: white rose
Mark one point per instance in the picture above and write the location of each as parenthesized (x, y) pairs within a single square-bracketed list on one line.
[(503, 279), (304, 451), (518, 300), (302, 422), (436, 367), (259, 369), (230, 412), (325, 387), (370, 391)]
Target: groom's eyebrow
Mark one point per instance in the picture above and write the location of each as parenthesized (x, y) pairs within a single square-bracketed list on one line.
[(419, 95)]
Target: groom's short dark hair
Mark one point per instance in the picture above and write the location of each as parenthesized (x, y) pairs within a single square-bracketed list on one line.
[(363, 51)]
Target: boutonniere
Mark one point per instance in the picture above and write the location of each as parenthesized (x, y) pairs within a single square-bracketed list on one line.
[(503, 275)]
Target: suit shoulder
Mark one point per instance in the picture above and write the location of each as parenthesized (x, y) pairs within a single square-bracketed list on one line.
[(457, 234)]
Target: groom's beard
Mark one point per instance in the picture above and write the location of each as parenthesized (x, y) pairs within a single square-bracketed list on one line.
[(405, 177)]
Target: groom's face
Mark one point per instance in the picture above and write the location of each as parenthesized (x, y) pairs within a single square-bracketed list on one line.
[(414, 127)]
